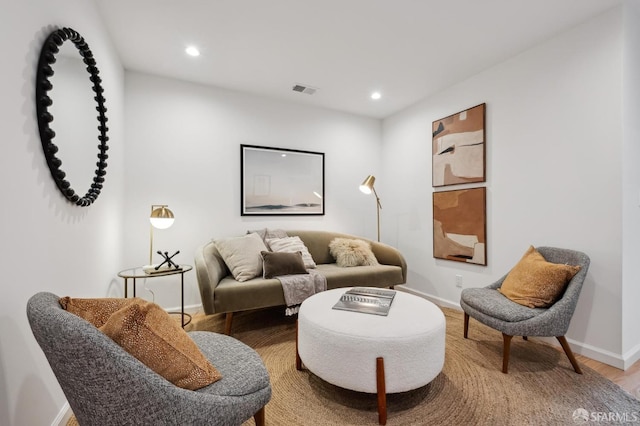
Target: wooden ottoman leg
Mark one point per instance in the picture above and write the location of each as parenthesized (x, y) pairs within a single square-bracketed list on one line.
[(466, 325), (298, 360), (382, 391)]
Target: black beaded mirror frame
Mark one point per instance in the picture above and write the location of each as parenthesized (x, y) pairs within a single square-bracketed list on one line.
[(43, 102)]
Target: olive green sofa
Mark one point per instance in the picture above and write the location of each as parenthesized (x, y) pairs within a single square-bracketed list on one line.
[(221, 293)]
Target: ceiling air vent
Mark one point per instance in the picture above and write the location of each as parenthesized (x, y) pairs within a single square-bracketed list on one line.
[(304, 89)]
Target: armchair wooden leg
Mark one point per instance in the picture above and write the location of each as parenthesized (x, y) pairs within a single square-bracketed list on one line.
[(505, 352), (227, 323), (525, 338), (466, 325), (569, 352), (259, 417)]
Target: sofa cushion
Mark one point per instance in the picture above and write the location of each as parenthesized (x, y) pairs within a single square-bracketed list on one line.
[(281, 263), (96, 311), (361, 276), (352, 252), (242, 255), (536, 283), (232, 296), (292, 245), (147, 332)]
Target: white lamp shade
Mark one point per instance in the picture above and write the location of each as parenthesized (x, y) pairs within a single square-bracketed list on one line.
[(161, 218)]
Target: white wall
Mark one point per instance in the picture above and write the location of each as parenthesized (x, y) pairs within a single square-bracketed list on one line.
[(554, 157), (183, 149), (631, 183), (48, 244)]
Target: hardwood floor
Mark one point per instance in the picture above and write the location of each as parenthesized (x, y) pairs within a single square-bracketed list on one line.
[(628, 380)]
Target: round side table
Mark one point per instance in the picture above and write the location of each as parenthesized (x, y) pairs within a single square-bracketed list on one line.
[(139, 272)]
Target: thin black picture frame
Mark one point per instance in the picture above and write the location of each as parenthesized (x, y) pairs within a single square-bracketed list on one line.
[(281, 182)]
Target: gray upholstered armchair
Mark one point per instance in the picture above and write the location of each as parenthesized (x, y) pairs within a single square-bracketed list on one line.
[(491, 308), (105, 385)]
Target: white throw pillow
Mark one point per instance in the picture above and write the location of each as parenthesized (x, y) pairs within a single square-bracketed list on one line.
[(292, 245), (266, 233), (242, 255)]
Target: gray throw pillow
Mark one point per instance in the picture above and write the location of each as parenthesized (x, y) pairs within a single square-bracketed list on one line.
[(281, 263)]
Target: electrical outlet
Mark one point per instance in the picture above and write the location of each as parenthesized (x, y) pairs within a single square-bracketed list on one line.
[(459, 281)]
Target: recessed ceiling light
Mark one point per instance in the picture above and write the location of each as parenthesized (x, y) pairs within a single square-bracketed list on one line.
[(376, 95), (192, 51)]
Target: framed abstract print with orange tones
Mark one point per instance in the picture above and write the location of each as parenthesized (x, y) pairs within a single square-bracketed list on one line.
[(459, 225), (458, 148)]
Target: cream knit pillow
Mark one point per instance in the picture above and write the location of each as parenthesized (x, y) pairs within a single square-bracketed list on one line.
[(242, 255), (292, 245)]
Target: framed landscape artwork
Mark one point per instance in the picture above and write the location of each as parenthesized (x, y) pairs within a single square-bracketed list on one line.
[(277, 181), (459, 225), (458, 148)]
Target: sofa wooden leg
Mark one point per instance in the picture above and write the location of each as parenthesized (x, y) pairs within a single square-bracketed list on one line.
[(227, 323), (505, 352), (259, 417), (569, 352), (466, 325)]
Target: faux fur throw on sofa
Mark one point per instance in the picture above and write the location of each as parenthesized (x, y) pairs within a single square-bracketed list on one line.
[(352, 252)]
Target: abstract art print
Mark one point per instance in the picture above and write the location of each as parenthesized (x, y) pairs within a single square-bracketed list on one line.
[(458, 150), (459, 225), (277, 181)]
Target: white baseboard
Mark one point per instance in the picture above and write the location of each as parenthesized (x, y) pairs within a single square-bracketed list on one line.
[(631, 357), (437, 300), (598, 354), (190, 309), (63, 416), (589, 351)]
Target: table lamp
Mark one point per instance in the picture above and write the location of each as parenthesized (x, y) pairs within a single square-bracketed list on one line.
[(161, 218)]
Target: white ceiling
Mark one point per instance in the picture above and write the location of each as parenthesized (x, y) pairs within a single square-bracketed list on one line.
[(406, 49)]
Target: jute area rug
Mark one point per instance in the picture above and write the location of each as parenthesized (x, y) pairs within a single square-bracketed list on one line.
[(540, 389)]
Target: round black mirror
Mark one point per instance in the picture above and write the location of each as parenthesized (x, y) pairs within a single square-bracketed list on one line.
[(44, 103)]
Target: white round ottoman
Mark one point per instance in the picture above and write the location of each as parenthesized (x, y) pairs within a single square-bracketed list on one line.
[(348, 349)]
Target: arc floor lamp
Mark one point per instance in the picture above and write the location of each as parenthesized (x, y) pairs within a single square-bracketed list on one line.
[(367, 187)]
